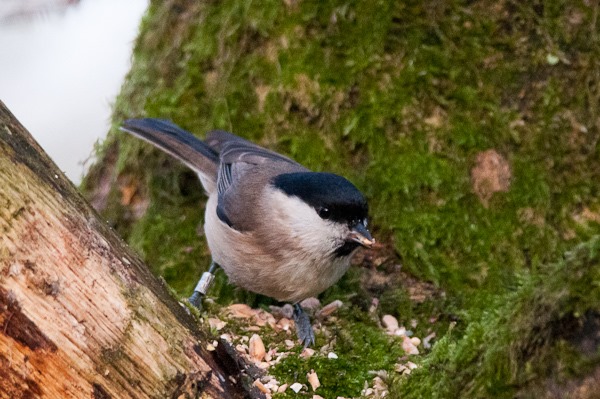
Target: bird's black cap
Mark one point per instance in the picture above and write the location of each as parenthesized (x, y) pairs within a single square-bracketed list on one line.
[(332, 196)]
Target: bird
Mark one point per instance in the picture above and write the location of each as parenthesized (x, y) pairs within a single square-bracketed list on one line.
[(273, 226)]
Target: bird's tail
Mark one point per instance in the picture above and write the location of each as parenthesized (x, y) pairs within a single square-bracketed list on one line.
[(179, 143)]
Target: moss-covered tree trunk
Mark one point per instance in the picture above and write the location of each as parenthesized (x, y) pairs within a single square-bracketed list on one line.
[(80, 315), (472, 126)]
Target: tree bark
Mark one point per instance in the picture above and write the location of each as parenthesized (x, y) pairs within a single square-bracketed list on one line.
[(80, 314)]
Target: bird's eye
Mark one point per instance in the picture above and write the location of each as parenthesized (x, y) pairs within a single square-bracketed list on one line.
[(324, 213)]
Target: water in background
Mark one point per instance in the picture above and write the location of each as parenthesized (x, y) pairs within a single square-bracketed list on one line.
[(61, 68)]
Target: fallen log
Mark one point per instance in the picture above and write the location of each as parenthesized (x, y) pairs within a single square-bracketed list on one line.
[(80, 314)]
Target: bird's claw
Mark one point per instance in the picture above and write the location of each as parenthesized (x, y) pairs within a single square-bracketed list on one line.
[(196, 300), (304, 328)]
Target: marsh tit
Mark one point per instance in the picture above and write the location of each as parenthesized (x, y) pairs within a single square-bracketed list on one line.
[(272, 225)]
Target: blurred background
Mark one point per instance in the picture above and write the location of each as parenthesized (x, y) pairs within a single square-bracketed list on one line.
[(62, 63)]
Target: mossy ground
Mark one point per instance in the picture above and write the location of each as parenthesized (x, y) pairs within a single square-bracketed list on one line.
[(400, 97)]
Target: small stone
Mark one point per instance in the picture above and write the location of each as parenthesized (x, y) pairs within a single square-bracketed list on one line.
[(210, 347), (272, 387), (271, 354), (241, 310), (415, 341), (390, 323), (427, 339), (289, 343), (307, 352), (282, 388), (405, 368), (313, 380), (262, 365), (267, 379), (330, 308), (226, 337), (261, 387), (241, 348), (401, 368), (256, 348), (285, 324), (296, 387), (311, 303), (382, 374), (409, 347), (287, 311), (400, 331), (263, 318), (380, 386), (332, 355)]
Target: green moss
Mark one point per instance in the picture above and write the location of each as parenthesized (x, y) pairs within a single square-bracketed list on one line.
[(171, 255), (361, 348), (400, 97), (525, 337)]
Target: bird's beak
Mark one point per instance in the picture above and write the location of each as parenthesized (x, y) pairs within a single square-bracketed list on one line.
[(361, 235)]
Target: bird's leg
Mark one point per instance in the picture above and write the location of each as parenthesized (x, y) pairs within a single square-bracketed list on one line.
[(203, 285), (304, 329)]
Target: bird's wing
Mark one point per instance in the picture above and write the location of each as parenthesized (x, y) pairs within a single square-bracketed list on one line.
[(244, 170), (233, 149), (238, 156)]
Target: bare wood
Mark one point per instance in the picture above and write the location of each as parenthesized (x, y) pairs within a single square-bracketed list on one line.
[(80, 315)]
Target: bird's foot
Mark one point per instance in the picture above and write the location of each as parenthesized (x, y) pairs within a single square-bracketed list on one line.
[(196, 300), (203, 286), (304, 329)]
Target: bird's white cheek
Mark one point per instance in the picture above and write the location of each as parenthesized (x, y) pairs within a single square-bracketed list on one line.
[(303, 225)]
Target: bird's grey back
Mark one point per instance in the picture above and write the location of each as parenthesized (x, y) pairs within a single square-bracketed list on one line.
[(245, 170)]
